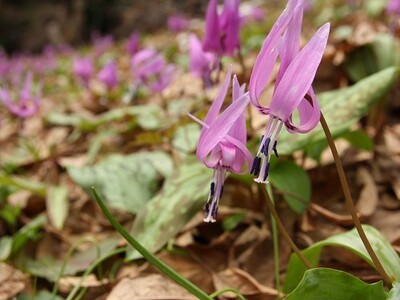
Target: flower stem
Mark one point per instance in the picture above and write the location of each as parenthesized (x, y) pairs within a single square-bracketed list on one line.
[(284, 232), (183, 282), (350, 204), (275, 241), (223, 291)]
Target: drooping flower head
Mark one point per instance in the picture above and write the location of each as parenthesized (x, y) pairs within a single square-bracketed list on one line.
[(149, 68), (293, 89), (222, 142), (132, 45), (177, 23), (108, 75), (27, 104), (393, 7), (83, 69), (201, 63), (221, 35)]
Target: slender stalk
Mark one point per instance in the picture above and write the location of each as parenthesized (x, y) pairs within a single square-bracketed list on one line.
[(183, 282), (350, 204), (275, 241), (223, 291), (284, 232)]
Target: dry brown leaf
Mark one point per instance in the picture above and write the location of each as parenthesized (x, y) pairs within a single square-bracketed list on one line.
[(243, 282), (149, 287), (67, 283), (12, 281), (369, 197)]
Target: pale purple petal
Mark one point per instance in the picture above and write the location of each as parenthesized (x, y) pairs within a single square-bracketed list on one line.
[(267, 57), (230, 26), (201, 63), (132, 45), (177, 23), (238, 130), (211, 41), (108, 75), (299, 75)]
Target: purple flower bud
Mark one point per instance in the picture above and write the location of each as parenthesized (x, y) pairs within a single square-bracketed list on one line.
[(108, 75)]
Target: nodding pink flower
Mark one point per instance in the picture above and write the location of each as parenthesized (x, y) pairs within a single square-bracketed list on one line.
[(222, 31), (222, 142), (293, 83), (83, 69), (201, 63), (27, 104), (150, 69), (132, 45), (177, 23), (101, 43), (108, 75), (393, 7)]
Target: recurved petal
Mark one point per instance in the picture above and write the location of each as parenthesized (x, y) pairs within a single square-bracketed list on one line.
[(219, 129), (238, 130), (309, 114), (267, 56), (299, 75)]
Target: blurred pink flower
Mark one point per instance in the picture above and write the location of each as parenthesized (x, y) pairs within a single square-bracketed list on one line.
[(177, 23), (101, 43), (222, 142), (132, 45), (83, 69), (27, 104), (201, 63), (149, 68), (108, 75), (221, 35), (293, 83), (393, 7)]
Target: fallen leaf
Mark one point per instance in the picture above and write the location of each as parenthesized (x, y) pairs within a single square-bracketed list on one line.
[(155, 287), (368, 199), (12, 281)]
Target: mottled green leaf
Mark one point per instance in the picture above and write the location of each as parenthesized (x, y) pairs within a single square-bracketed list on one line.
[(323, 283), (293, 182), (167, 213), (351, 241), (147, 116), (125, 182), (57, 205), (342, 108), (185, 138), (394, 293)]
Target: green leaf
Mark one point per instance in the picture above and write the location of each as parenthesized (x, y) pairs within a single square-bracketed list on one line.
[(147, 116), (323, 283), (50, 268), (186, 137), (57, 205), (167, 213), (351, 241), (125, 182), (29, 232), (359, 139), (42, 295), (394, 293), (342, 108), (232, 221), (293, 182), (5, 247)]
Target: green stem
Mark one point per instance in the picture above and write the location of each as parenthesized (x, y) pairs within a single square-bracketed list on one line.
[(223, 291), (350, 204), (284, 232), (275, 241), (189, 286)]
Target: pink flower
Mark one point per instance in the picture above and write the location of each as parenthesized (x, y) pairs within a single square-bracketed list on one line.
[(222, 31), (150, 69), (393, 7), (83, 69), (101, 43), (177, 23), (222, 142), (293, 83), (201, 63), (132, 45), (108, 75), (27, 104)]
